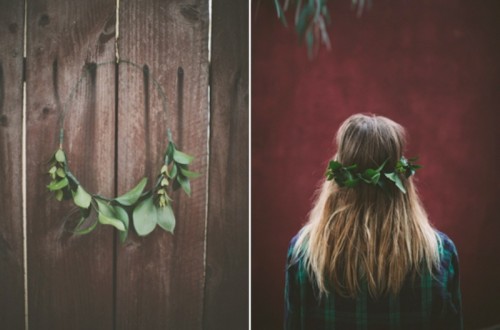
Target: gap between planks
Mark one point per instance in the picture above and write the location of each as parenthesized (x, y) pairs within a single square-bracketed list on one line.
[(23, 172)]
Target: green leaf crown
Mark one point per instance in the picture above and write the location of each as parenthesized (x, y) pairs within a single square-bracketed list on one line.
[(349, 176), (146, 209)]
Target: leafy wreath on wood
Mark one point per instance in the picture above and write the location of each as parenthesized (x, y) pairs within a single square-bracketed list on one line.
[(147, 208)]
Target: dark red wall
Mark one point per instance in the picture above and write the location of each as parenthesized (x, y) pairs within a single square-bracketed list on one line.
[(431, 65)]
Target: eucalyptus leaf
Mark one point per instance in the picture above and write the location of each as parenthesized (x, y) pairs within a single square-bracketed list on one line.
[(56, 185), (395, 178), (334, 165), (169, 155), (59, 195), (108, 215), (145, 217), (184, 182), (173, 171), (182, 158), (131, 197), (189, 174), (105, 220), (281, 14), (82, 198), (60, 156), (166, 218), (60, 172), (82, 231), (123, 216)]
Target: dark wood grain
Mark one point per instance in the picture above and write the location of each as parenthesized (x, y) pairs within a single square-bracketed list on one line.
[(160, 278), (226, 292), (70, 277), (11, 221)]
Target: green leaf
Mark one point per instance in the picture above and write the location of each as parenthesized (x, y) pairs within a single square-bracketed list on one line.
[(166, 218), (334, 165), (105, 220), (173, 171), (53, 170), (280, 12), (109, 216), (131, 197), (189, 174), (182, 158), (145, 217), (59, 195), (169, 155), (123, 216), (60, 172), (381, 167), (184, 182), (82, 198), (60, 156), (82, 231), (395, 178), (56, 185)]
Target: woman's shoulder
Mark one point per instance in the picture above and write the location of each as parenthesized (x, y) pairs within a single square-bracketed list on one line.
[(445, 243)]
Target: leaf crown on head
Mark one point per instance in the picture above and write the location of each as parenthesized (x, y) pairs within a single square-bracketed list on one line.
[(349, 176)]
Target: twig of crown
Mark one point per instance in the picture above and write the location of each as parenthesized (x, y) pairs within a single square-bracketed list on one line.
[(348, 176)]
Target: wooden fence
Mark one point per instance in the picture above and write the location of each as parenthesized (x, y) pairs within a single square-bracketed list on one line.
[(115, 134)]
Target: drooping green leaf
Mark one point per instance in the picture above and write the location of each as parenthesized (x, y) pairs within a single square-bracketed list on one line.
[(280, 12), (59, 195), (189, 174), (60, 172), (182, 158), (173, 171), (145, 217), (169, 155), (381, 167), (105, 220), (395, 178), (60, 156), (82, 231), (122, 215), (184, 182), (131, 197), (53, 170), (109, 216), (56, 185), (164, 169), (334, 165), (166, 218), (82, 198)]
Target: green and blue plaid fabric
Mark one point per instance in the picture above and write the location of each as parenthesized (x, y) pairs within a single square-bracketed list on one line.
[(425, 302)]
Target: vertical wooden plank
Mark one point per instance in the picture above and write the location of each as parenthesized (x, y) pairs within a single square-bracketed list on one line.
[(11, 221), (226, 293), (69, 276), (160, 277)]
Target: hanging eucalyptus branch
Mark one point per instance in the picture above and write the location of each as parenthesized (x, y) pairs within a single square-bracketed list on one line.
[(311, 19), (148, 208)]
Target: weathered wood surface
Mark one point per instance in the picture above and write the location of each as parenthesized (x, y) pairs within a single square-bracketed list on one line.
[(11, 107), (70, 277), (160, 278), (226, 293)]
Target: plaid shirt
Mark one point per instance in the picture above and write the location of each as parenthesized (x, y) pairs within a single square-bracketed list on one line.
[(426, 303)]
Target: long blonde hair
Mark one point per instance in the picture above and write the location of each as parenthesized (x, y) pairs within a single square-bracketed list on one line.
[(365, 234)]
